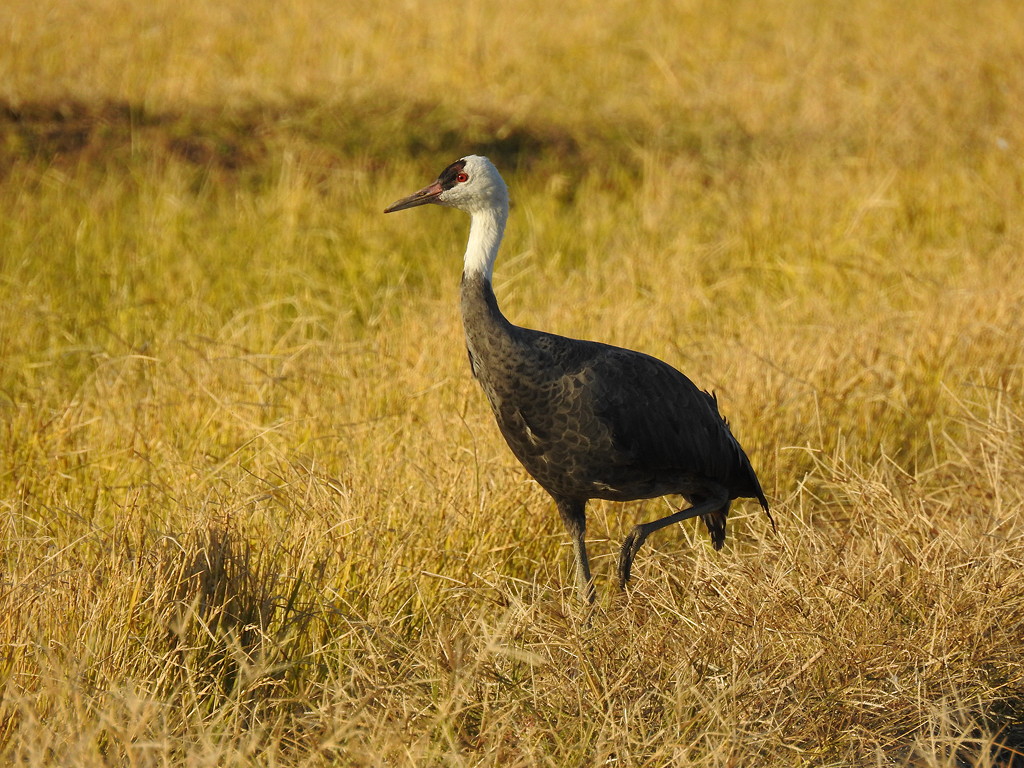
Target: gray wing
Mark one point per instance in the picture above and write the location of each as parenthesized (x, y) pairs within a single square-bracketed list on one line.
[(661, 420), (639, 427)]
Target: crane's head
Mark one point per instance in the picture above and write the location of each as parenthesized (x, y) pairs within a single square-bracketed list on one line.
[(471, 184)]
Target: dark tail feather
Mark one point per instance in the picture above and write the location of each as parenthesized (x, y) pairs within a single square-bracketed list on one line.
[(715, 521), (764, 506)]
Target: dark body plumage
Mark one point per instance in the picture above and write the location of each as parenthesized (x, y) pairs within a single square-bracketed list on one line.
[(590, 420), (593, 421)]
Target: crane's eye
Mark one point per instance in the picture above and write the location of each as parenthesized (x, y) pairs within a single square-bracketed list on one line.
[(461, 177)]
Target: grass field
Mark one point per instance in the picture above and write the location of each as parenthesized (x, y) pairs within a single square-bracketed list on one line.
[(256, 511)]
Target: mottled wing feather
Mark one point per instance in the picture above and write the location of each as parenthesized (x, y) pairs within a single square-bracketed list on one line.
[(660, 420), (646, 428)]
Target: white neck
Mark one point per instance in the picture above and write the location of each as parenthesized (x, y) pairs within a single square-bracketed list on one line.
[(485, 232)]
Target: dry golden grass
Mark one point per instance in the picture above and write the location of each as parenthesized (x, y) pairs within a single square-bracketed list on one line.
[(256, 511)]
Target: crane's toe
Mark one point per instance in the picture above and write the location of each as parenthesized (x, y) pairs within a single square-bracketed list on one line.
[(629, 549)]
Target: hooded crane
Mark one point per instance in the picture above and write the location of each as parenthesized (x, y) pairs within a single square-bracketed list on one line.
[(587, 420)]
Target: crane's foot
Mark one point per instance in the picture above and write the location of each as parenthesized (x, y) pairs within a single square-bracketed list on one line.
[(629, 549)]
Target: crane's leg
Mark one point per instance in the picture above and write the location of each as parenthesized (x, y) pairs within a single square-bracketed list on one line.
[(640, 533), (574, 515)]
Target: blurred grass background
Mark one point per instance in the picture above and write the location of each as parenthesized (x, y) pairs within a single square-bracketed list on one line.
[(257, 512)]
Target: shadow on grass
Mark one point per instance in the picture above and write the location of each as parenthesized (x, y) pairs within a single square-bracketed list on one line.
[(237, 623), (1009, 743), (368, 133), (233, 141), (952, 741)]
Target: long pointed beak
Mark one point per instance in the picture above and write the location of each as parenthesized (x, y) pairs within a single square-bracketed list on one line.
[(426, 195)]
